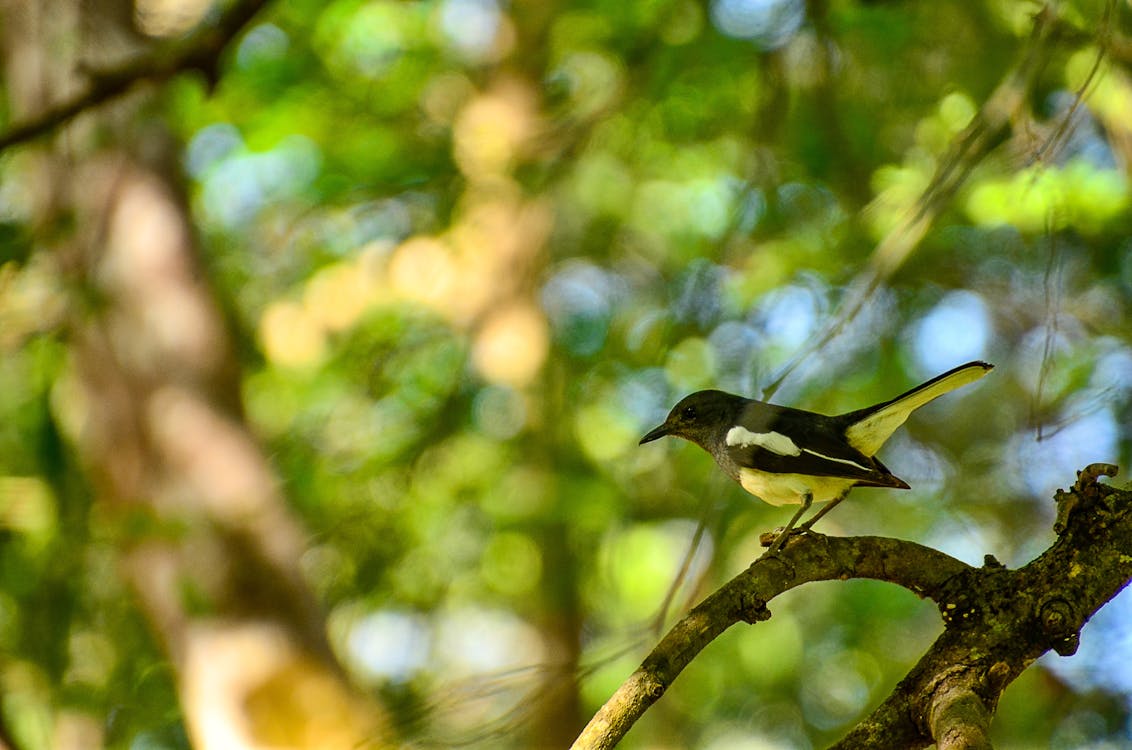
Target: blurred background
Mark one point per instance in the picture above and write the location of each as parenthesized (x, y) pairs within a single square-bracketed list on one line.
[(386, 291)]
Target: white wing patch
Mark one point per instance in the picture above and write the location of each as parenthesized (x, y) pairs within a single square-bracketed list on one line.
[(775, 442), (838, 460)]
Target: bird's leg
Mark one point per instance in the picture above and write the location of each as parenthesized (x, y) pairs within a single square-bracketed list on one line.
[(807, 500), (806, 526)]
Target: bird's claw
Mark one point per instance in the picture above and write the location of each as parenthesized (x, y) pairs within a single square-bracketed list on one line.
[(777, 538)]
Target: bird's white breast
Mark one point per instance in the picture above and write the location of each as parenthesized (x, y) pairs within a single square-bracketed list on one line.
[(788, 489)]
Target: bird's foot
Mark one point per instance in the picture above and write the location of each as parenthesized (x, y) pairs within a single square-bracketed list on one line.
[(784, 534), (777, 539)]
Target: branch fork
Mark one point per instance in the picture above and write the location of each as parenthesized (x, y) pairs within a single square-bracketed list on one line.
[(997, 620)]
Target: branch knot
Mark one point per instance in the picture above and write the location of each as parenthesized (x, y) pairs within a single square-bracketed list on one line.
[(1085, 493), (753, 609), (1059, 626)]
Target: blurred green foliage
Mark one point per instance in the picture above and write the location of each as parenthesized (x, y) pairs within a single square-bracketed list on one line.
[(473, 250)]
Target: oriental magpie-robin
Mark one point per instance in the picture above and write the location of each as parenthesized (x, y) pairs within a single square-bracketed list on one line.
[(785, 456)]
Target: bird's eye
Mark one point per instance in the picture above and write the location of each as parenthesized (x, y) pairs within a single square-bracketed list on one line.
[(688, 412)]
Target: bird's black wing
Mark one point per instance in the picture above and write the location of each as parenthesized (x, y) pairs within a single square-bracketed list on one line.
[(782, 440)]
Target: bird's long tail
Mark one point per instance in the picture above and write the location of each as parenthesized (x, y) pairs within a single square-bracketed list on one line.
[(869, 428)]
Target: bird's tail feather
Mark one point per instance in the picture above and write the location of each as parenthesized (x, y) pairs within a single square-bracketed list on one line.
[(869, 428)]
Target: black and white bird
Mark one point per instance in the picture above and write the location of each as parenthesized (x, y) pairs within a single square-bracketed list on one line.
[(789, 456)]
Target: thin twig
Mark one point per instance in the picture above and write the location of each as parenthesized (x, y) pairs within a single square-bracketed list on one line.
[(967, 150), (201, 51)]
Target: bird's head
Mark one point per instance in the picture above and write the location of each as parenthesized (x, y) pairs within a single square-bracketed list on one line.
[(698, 417)]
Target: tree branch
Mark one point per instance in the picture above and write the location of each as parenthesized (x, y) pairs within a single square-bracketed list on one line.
[(200, 51), (815, 557), (960, 720), (997, 621)]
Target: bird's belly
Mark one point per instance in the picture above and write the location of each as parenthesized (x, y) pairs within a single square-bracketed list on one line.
[(788, 489)]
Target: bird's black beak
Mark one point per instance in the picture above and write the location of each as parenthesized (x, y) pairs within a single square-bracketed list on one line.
[(653, 434)]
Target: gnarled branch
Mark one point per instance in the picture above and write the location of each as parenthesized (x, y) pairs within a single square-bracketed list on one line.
[(997, 621), (922, 570)]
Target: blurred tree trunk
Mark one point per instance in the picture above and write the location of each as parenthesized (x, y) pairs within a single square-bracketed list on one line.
[(207, 541), (558, 717)]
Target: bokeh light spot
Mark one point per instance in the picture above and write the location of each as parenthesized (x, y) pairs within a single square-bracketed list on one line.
[(422, 269), (290, 336), (768, 23), (263, 44), (834, 702), (594, 81), (238, 186), (492, 129), (512, 344), (1044, 466), (604, 431), (955, 331), (691, 364), (643, 561), (776, 655), (338, 295), (472, 27), (500, 411), (367, 42), (389, 644), (512, 563), (211, 145), (479, 640), (579, 302)]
